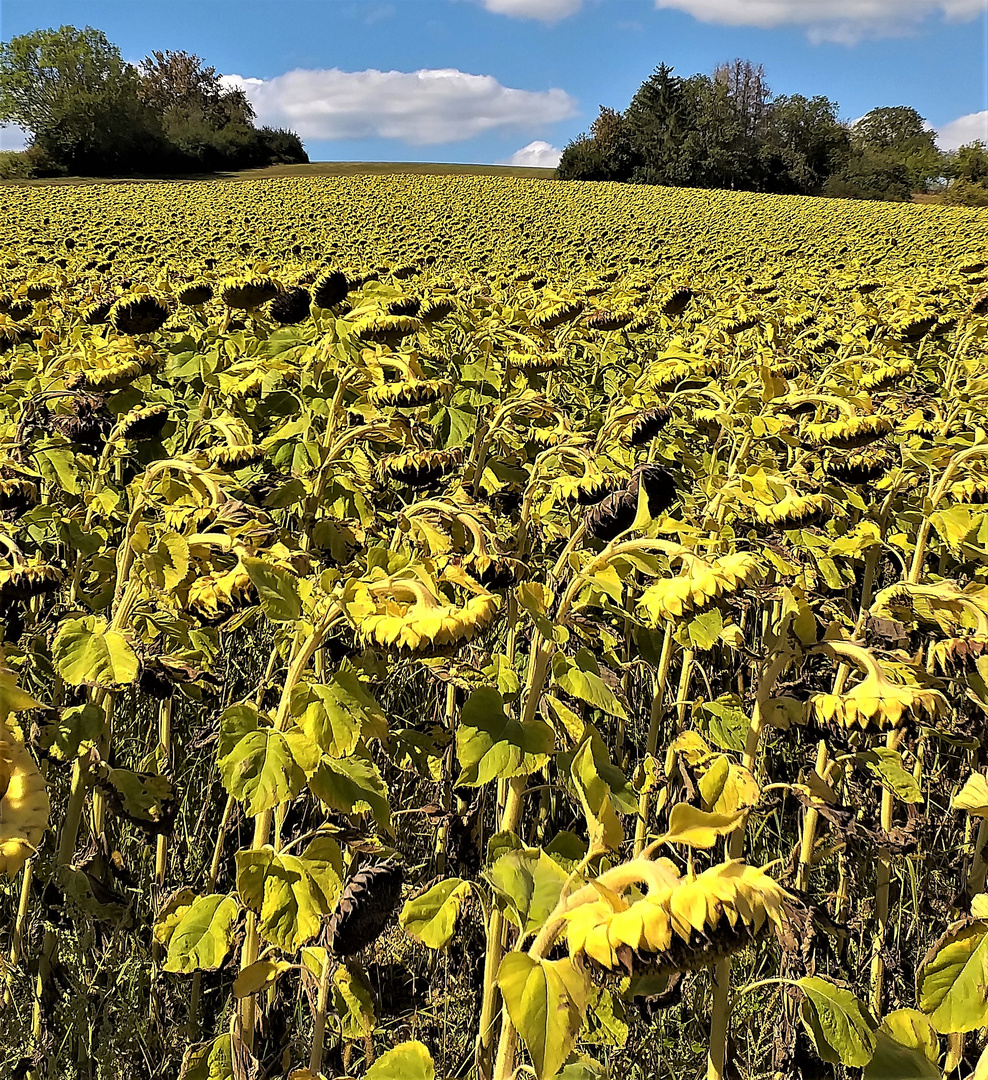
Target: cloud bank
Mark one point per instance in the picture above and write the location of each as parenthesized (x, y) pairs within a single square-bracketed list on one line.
[(963, 130), (844, 21), (420, 108), (538, 154)]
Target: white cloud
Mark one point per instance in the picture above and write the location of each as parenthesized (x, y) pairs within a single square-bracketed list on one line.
[(12, 137), (547, 11), (845, 21), (425, 107), (538, 154), (964, 130)]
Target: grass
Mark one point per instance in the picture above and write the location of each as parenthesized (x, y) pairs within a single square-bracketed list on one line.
[(316, 168)]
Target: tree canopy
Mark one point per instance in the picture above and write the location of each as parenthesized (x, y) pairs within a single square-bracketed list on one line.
[(726, 130), (89, 111)]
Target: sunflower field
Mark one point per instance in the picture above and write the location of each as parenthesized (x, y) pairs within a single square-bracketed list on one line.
[(485, 628)]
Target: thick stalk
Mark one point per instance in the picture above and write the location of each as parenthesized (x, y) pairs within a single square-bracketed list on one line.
[(18, 937), (652, 736), (810, 824), (319, 1031), (720, 1015), (161, 848), (883, 879)]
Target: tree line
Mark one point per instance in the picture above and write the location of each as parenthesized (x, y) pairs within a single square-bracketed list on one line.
[(726, 130), (89, 112)]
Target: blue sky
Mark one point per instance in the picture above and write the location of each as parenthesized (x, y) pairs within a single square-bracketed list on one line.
[(503, 80)]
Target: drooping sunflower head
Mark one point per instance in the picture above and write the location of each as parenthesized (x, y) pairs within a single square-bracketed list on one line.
[(142, 424), (862, 466), (646, 424), (330, 289), (792, 511), (604, 319), (419, 468), (554, 312), (195, 293), (535, 362), (677, 301), (409, 393), (678, 922), (142, 314), (290, 307), (247, 293), (410, 615), (849, 432), (232, 456), (27, 579)]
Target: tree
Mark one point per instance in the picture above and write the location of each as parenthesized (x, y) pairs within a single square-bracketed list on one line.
[(73, 91), (899, 136), (806, 142), (180, 86)]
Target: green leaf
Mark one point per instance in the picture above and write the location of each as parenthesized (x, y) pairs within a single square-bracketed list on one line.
[(704, 629), (535, 598), (697, 828), (260, 766), (607, 1021), (258, 976), (86, 652), (579, 681), (431, 918), (907, 1049), (490, 745), (291, 894), (530, 881), (603, 791), (337, 713), (143, 798), (726, 722), (168, 564), (546, 1000), (841, 1027), (351, 786), (953, 979), (354, 1003), (76, 732), (209, 1061), (277, 589), (203, 935), (886, 764), (955, 525), (407, 1061)]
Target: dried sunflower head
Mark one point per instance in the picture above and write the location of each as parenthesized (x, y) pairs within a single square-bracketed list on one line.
[(419, 468), (195, 293), (678, 923), (233, 456), (849, 432), (247, 293), (407, 615), (291, 306), (409, 393), (676, 301), (135, 315), (366, 904)]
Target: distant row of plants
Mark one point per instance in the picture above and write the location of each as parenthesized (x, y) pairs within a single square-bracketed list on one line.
[(89, 112)]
